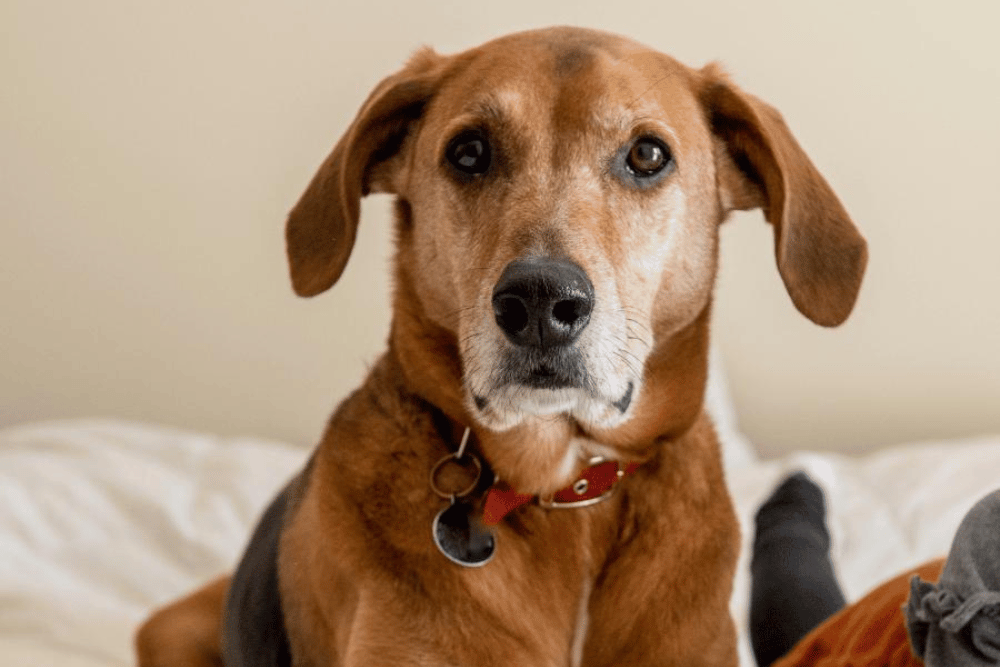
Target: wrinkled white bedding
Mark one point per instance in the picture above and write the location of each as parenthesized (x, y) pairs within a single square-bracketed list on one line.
[(102, 520)]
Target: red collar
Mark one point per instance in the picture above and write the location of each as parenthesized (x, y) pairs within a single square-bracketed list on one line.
[(595, 483)]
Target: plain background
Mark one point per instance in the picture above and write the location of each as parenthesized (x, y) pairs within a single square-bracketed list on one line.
[(149, 152)]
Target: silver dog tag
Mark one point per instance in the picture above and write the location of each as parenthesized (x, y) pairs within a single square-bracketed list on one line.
[(461, 539)]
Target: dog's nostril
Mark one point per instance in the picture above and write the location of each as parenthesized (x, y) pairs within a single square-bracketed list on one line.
[(568, 311), (511, 313)]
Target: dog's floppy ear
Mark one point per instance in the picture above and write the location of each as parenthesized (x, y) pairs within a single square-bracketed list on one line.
[(821, 255), (321, 228)]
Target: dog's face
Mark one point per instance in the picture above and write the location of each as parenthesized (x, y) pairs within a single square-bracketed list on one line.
[(564, 207), (560, 195)]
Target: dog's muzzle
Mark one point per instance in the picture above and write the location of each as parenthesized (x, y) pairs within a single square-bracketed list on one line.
[(547, 361)]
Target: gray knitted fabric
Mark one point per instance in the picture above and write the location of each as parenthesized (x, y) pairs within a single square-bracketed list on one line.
[(956, 622)]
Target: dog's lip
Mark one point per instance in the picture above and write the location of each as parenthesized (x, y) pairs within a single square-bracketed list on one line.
[(559, 375), (551, 381), (622, 404), (626, 400), (544, 376), (553, 369)]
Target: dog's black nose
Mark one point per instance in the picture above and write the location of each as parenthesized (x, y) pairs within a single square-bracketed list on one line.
[(543, 302)]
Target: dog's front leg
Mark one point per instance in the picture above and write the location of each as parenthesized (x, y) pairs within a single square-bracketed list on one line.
[(664, 598), (682, 628), (391, 630), (382, 637)]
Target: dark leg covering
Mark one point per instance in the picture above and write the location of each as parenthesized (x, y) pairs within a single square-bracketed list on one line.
[(793, 586)]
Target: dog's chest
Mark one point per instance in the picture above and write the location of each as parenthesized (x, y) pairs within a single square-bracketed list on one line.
[(541, 583)]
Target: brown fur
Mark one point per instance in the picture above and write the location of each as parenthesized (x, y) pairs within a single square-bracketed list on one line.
[(649, 569), (185, 632)]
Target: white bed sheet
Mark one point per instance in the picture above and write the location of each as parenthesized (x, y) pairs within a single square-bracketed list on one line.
[(102, 520)]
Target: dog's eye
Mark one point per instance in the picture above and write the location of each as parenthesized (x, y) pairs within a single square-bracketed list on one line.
[(469, 152), (647, 157)]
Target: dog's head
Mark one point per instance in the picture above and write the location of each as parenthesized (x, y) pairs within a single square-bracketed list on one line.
[(560, 193)]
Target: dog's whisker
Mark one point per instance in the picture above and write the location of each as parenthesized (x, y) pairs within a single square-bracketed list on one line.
[(637, 323), (626, 361), (459, 311), (639, 339)]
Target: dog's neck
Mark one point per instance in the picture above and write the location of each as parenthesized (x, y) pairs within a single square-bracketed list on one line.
[(543, 454)]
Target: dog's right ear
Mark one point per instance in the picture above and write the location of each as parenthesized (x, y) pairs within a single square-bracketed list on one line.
[(321, 228)]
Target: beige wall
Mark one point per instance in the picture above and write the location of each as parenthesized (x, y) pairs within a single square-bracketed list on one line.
[(149, 152)]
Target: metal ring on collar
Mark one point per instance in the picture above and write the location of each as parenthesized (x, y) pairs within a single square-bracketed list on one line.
[(457, 457)]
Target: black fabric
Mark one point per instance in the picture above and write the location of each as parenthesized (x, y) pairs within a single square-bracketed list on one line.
[(254, 630), (793, 586)]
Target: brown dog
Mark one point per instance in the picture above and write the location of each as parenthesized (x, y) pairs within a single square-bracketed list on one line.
[(559, 194)]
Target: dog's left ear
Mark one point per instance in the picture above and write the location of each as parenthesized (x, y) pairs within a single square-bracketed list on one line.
[(821, 255), (321, 228)]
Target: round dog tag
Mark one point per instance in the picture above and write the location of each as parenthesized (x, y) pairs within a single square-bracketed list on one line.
[(461, 539)]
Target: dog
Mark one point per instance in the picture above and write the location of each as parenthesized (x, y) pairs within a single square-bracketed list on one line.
[(527, 476)]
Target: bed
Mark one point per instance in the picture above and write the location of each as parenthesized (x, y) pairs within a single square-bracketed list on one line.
[(101, 520)]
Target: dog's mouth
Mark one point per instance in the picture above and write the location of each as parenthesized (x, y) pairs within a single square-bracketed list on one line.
[(554, 370), (534, 384)]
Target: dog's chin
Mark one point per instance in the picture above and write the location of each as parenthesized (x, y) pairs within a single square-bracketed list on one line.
[(515, 404)]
